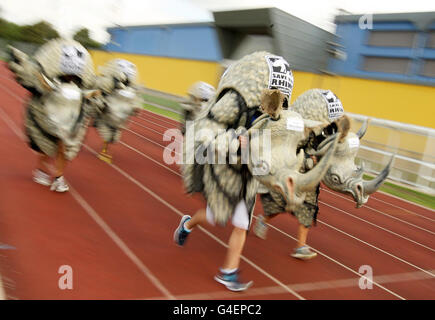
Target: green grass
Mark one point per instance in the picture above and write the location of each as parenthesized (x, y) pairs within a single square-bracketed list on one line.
[(407, 194), (163, 102), (388, 187), (163, 112)]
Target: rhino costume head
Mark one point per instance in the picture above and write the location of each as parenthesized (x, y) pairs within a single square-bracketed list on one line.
[(281, 171), (64, 57), (57, 75), (343, 175)]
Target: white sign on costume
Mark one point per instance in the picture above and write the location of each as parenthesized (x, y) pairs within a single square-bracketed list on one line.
[(281, 77), (72, 60), (295, 124), (127, 67), (353, 142), (335, 108)]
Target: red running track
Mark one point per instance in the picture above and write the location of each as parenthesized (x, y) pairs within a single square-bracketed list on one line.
[(115, 227)]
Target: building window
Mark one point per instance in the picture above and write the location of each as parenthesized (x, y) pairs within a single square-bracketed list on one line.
[(392, 38), (428, 69), (431, 40), (388, 65)]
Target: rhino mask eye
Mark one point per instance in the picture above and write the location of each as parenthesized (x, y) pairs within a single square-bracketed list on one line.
[(335, 178), (261, 168)]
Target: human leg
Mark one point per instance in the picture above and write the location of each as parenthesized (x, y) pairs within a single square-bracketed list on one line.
[(302, 251), (235, 247), (42, 173), (59, 184), (104, 155), (229, 272), (187, 224), (271, 209)]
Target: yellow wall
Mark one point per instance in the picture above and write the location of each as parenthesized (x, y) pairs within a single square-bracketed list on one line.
[(407, 103), (165, 74)]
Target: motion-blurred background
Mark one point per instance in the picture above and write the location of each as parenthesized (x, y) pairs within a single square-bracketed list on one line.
[(377, 57)]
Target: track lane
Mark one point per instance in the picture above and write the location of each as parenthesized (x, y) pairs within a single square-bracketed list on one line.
[(34, 220), (139, 145), (192, 235), (384, 222)]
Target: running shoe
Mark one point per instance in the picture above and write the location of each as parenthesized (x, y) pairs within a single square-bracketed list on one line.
[(59, 185), (180, 234), (231, 281), (260, 229), (303, 253), (41, 177)]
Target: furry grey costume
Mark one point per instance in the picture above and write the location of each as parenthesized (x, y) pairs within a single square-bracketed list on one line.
[(60, 107), (117, 82), (234, 106)]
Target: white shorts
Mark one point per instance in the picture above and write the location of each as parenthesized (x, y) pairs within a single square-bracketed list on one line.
[(240, 217)]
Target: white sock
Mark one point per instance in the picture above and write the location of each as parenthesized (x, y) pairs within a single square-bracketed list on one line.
[(228, 271), (186, 228)]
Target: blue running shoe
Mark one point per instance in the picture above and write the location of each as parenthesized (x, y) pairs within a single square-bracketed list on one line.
[(231, 281), (180, 234)]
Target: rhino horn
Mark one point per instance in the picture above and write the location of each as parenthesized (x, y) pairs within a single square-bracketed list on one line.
[(373, 185), (362, 131)]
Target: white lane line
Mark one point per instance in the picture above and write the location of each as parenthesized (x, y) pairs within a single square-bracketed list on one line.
[(378, 249), (148, 120), (156, 124), (152, 141), (149, 158), (407, 201), (100, 222), (12, 94), (2, 290), (378, 211), (335, 261), (155, 131), (4, 246), (379, 227), (146, 113), (154, 195), (121, 244), (301, 287)]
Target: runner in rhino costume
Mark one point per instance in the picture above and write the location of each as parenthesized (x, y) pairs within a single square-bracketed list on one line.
[(230, 189), (57, 115), (342, 175), (117, 83)]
